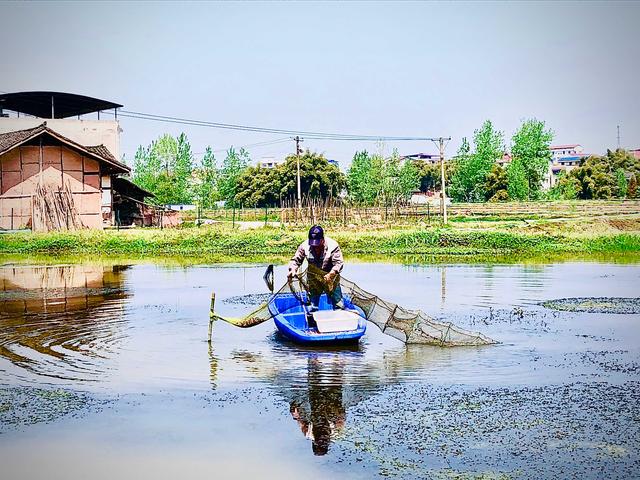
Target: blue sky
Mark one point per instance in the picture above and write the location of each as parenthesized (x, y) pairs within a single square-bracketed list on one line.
[(415, 68)]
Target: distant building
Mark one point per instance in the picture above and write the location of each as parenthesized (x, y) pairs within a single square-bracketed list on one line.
[(432, 159), (335, 163), (504, 160), (635, 152), (564, 158), (270, 162), (559, 151), (180, 207)]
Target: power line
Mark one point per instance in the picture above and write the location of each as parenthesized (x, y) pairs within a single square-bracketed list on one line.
[(254, 129), (251, 145)]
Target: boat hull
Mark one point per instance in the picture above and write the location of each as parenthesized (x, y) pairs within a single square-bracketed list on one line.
[(290, 319)]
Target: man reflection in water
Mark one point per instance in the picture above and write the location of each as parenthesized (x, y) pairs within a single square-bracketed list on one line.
[(322, 414)]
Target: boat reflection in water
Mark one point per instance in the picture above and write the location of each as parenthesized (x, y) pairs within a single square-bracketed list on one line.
[(59, 321), (319, 384)]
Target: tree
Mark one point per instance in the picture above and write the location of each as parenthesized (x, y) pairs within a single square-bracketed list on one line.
[(164, 168), (258, 186), (182, 171), (408, 180), (268, 186), (461, 182), (362, 183), (472, 169), (165, 149), (621, 183), (597, 176), (233, 166), (207, 178), (145, 169), (566, 187), (531, 147), (632, 191), (429, 175), (496, 187), (374, 179), (518, 185)]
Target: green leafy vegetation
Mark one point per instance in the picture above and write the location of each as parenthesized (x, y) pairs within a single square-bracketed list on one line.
[(613, 175), (272, 241), (164, 168), (472, 169), (530, 149), (517, 181), (233, 167), (258, 186), (376, 180)]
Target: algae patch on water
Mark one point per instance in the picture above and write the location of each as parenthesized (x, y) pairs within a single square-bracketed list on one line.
[(249, 299), (22, 406), (618, 305)]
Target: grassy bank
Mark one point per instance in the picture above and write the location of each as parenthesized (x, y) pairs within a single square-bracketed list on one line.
[(222, 240)]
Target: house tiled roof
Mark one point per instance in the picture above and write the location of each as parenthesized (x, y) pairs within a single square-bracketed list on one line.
[(11, 140), (102, 151)]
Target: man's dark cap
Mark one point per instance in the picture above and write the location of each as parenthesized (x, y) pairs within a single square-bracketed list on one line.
[(316, 235)]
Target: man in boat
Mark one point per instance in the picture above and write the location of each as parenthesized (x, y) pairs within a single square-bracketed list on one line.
[(325, 264)]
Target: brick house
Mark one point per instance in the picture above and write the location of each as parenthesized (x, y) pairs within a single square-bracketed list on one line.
[(39, 167)]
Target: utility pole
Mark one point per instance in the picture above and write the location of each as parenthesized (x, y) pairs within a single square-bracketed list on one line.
[(618, 137), (298, 152), (443, 195)]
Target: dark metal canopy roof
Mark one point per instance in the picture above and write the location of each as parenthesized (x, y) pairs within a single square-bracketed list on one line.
[(127, 187), (53, 104)]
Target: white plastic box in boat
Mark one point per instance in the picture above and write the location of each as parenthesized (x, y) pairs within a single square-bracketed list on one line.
[(336, 320)]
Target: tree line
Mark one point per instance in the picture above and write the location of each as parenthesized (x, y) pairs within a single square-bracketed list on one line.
[(168, 169), (476, 175)]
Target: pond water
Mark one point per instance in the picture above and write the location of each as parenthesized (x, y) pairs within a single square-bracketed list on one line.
[(105, 368)]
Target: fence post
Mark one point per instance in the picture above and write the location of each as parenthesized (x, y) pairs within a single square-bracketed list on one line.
[(428, 214), (266, 215), (233, 221)]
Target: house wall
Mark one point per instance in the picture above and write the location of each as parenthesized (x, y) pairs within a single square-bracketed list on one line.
[(24, 167), (84, 132)]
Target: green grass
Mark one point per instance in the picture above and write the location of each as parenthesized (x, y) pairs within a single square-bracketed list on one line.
[(272, 241)]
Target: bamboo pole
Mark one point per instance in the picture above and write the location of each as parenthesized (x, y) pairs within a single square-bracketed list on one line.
[(211, 314)]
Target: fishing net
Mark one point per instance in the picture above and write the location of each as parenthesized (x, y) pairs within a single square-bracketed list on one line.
[(409, 326)]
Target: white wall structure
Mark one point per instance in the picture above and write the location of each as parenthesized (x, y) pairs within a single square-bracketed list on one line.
[(84, 132), (270, 162), (559, 151)]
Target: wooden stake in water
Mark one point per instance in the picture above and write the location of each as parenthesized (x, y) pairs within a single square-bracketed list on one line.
[(211, 314)]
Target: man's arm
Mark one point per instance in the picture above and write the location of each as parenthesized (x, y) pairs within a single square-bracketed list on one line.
[(296, 261), (337, 261)]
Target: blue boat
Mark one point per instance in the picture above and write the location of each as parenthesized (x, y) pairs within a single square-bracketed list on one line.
[(292, 320)]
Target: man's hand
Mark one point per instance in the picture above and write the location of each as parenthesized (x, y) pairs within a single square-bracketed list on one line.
[(292, 273), (329, 277)]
